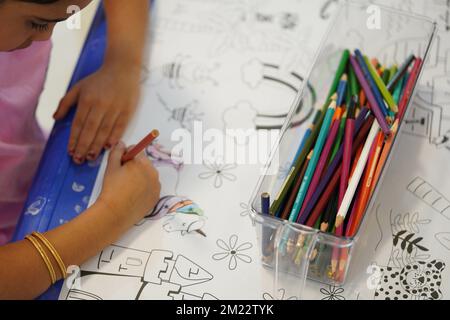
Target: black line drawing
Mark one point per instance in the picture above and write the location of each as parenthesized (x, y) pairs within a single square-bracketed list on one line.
[(156, 274), (233, 252), (183, 115), (332, 293), (256, 73), (245, 209), (430, 195), (380, 228), (444, 239), (181, 72), (327, 9), (409, 274), (181, 215), (420, 280), (219, 172), (281, 295)]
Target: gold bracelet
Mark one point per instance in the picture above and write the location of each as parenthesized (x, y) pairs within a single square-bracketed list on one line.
[(54, 252), (44, 257)]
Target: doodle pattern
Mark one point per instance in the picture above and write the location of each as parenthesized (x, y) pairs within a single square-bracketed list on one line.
[(409, 274), (332, 293), (233, 252), (281, 295), (427, 193), (156, 274), (219, 172)]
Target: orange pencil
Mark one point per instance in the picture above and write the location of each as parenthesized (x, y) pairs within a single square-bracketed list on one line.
[(367, 182), (144, 143), (362, 98), (386, 149)]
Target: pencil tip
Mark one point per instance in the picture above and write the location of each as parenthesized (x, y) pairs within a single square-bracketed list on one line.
[(339, 221), (334, 96), (344, 77)]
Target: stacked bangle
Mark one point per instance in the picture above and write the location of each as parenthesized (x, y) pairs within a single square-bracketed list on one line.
[(36, 239)]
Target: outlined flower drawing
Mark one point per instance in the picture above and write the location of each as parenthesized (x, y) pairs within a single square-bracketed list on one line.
[(281, 296), (332, 293), (233, 252), (219, 172), (245, 209)]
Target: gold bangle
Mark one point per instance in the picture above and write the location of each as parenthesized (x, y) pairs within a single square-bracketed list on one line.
[(53, 251), (44, 257)]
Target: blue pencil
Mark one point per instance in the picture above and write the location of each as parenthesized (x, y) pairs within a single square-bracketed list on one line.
[(313, 162), (372, 84), (341, 91), (306, 136)]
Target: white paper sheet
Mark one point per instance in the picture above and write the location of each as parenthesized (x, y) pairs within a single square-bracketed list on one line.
[(230, 64)]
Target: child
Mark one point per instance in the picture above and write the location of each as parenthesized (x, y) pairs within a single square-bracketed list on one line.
[(106, 101)]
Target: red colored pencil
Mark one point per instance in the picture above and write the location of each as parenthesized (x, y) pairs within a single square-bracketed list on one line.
[(144, 143), (409, 88)]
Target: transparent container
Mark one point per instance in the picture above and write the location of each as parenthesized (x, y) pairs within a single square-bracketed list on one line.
[(354, 27)]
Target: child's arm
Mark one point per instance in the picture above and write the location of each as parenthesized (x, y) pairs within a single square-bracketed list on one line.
[(107, 99), (129, 192)]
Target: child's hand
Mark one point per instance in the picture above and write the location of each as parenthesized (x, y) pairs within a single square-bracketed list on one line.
[(106, 102), (131, 190)]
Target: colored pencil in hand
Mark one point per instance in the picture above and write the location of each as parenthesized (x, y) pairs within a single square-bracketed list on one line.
[(144, 143)]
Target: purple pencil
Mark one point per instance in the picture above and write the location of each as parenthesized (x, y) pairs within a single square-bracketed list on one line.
[(370, 97), (331, 169), (323, 158)]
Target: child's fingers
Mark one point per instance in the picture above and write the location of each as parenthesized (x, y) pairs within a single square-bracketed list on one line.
[(102, 135), (118, 130), (115, 157), (77, 125), (87, 135), (66, 103)]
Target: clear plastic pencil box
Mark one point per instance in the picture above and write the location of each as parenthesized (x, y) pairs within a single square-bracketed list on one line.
[(354, 26)]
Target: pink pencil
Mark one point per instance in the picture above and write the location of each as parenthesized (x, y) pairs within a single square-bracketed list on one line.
[(323, 158)]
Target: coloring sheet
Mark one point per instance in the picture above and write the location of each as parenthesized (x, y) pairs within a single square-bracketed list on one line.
[(239, 64)]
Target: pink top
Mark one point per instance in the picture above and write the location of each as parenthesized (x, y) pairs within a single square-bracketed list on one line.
[(22, 76)]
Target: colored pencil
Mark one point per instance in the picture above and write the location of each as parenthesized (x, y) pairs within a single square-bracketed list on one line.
[(384, 155), (293, 194), (382, 87), (367, 180), (323, 158), (144, 143), (348, 140), (354, 181), (399, 88), (290, 179), (374, 107), (331, 179), (369, 79), (360, 125), (327, 216), (339, 137), (354, 86), (409, 88), (401, 71), (313, 163), (341, 91), (307, 135), (265, 203)]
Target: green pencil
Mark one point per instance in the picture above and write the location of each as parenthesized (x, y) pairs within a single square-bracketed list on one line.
[(380, 84), (354, 85)]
